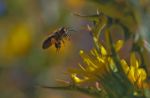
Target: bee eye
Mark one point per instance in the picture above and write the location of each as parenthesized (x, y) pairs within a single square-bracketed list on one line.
[(66, 30)]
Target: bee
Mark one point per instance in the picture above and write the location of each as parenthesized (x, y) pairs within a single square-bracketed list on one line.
[(56, 38)]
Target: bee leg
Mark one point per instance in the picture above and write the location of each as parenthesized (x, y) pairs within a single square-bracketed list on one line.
[(58, 46), (63, 42), (58, 50)]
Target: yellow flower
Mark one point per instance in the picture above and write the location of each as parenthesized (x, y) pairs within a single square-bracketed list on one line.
[(135, 74), (95, 63)]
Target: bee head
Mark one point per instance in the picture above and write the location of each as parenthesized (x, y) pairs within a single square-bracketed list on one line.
[(66, 29), (63, 29)]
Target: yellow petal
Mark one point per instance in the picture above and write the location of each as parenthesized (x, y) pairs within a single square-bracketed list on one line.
[(119, 45), (125, 66), (103, 50), (141, 77), (112, 65), (142, 74), (81, 67), (131, 74), (95, 52), (75, 78), (100, 59), (133, 60)]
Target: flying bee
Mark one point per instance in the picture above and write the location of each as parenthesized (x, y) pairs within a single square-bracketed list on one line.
[(56, 38)]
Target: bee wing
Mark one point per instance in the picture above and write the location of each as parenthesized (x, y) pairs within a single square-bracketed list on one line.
[(48, 42)]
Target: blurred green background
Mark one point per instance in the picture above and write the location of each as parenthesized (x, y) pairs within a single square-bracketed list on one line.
[(24, 65), (24, 24)]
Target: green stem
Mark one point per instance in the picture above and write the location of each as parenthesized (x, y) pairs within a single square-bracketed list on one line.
[(116, 59)]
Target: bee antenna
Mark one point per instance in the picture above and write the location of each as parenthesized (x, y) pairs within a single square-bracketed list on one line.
[(69, 27), (72, 30)]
